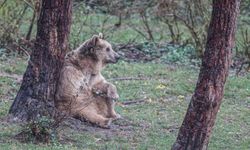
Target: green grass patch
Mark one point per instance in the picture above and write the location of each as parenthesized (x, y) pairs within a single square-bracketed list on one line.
[(153, 124)]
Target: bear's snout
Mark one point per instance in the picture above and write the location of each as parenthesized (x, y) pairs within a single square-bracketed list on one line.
[(113, 58), (117, 57)]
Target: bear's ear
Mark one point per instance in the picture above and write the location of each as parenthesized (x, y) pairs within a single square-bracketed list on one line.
[(94, 40), (101, 36)]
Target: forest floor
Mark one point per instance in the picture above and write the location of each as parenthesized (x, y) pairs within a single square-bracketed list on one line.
[(153, 100)]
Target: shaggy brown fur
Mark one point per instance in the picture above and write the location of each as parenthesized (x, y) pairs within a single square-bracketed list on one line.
[(82, 90)]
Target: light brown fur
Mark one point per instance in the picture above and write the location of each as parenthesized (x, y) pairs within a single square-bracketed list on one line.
[(82, 90)]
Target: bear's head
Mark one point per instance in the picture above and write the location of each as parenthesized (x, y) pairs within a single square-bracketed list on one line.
[(98, 49)]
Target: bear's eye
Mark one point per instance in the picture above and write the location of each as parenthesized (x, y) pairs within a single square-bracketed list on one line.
[(107, 49)]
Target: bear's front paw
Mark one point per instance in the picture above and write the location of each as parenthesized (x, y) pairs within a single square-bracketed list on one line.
[(112, 92), (116, 116), (106, 124)]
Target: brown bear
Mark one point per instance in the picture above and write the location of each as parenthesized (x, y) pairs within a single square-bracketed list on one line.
[(82, 91)]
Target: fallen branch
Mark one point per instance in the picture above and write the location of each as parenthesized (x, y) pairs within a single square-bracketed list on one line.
[(128, 44), (133, 102), (128, 78), (241, 66)]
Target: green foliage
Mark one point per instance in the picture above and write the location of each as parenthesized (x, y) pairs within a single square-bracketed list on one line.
[(42, 130), (179, 54), (11, 19), (91, 17)]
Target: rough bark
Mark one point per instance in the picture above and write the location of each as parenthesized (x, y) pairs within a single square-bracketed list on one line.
[(197, 126), (36, 94)]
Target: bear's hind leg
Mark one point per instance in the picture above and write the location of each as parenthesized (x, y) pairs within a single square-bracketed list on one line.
[(96, 118)]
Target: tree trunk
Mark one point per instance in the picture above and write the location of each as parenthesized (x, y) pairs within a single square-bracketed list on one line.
[(36, 94), (201, 114)]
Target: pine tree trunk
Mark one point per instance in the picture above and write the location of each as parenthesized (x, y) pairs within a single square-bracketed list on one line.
[(201, 114), (36, 94)]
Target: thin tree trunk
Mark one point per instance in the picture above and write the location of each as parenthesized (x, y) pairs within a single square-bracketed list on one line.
[(201, 114), (36, 94), (31, 26), (36, 11)]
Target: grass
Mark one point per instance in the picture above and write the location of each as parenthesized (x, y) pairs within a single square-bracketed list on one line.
[(153, 124)]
